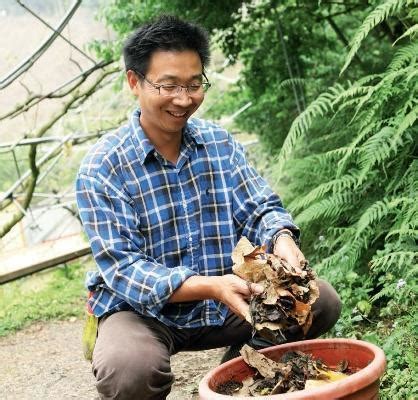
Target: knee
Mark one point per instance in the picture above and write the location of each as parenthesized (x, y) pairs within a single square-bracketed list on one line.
[(123, 374), (326, 310)]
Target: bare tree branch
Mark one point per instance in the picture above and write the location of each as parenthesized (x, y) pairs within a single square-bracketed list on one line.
[(30, 177), (37, 98), (26, 64), (52, 28), (31, 184)]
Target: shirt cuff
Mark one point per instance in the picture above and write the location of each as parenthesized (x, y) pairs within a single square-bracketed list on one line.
[(165, 286), (292, 228)]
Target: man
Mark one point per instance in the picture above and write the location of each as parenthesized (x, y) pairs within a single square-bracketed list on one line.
[(164, 201)]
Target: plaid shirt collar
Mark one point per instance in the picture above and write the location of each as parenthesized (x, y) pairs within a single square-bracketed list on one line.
[(144, 145)]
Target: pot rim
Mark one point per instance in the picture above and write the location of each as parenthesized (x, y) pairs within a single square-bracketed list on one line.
[(367, 375)]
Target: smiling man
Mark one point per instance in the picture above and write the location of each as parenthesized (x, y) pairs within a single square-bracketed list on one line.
[(164, 200)]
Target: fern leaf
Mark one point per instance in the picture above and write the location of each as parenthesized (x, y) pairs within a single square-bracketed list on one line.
[(409, 32), (413, 233), (407, 121), (302, 123), (404, 56), (354, 91), (329, 208), (335, 185), (378, 211), (376, 149), (292, 82), (386, 81), (402, 259), (366, 129), (379, 14)]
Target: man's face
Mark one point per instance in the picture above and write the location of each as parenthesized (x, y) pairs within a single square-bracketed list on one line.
[(162, 115)]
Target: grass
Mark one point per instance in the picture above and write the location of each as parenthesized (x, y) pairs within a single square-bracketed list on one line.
[(52, 294)]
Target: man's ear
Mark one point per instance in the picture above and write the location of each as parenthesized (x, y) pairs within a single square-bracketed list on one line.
[(132, 81)]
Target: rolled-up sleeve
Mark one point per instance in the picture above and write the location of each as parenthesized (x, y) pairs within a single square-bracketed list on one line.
[(112, 226), (258, 211)]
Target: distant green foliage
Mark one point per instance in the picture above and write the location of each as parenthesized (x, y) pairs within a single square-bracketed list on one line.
[(353, 186)]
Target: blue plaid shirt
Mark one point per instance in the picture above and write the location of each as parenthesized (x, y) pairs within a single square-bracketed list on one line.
[(152, 224)]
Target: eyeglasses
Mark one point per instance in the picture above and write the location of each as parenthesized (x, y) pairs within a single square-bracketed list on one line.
[(196, 89)]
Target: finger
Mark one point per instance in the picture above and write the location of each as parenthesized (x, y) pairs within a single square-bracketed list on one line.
[(241, 308), (292, 259), (256, 288), (253, 289), (302, 260)]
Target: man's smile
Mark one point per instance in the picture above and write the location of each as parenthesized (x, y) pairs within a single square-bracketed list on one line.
[(177, 114)]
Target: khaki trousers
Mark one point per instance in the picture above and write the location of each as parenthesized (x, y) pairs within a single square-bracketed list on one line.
[(131, 358)]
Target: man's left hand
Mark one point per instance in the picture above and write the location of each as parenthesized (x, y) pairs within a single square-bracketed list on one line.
[(286, 248)]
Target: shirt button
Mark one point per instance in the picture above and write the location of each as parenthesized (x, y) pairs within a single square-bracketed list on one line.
[(190, 239)]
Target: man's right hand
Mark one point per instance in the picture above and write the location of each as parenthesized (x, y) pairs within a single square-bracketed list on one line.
[(229, 289), (234, 291)]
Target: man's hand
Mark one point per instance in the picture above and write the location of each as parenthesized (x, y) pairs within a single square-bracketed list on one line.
[(229, 289), (233, 291), (286, 249)]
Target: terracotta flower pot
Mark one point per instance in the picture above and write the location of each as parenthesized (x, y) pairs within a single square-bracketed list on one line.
[(366, 358)]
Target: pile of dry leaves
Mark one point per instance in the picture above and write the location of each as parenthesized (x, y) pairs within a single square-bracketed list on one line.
[(295, 371), (288, 292), (286, 301)]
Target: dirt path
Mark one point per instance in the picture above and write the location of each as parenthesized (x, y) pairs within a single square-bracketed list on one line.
[(45, 361)]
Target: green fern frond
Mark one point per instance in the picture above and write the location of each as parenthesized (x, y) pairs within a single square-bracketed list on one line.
[(401, 179), (338, 237), (411, 76), (377, 148), (331, 262), (341, 231), (409, 179), (365, 80), (379, 210), (329, 156), (328, 208), (292, 82), (404, 56), (395, 258), (407, 121), (299, 127), (409, 32), (379, 14), (385, 82), (366, 129), (354, 91), (335, 185), (413, 233)]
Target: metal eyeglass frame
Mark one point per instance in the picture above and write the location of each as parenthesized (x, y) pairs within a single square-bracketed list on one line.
[(205, 86)]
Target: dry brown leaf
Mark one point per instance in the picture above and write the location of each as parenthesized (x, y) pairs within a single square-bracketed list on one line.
[(244, 391), (273, 326), (265, 366), (271, 295), (307, 324), (251, 270), (270, 273), (259, 250), (283, 292), (301, 312), (243, 248), (313, 291), (298, 290)]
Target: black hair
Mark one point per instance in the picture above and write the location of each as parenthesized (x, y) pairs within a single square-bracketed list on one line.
[(165, 33)]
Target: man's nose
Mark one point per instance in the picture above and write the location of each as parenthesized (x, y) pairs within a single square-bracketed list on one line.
[(182, 97)]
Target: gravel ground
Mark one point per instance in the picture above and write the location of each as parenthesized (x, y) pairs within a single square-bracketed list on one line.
[(45, 361)]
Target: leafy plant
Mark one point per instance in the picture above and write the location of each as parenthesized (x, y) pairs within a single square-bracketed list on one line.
[(352, 158)]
